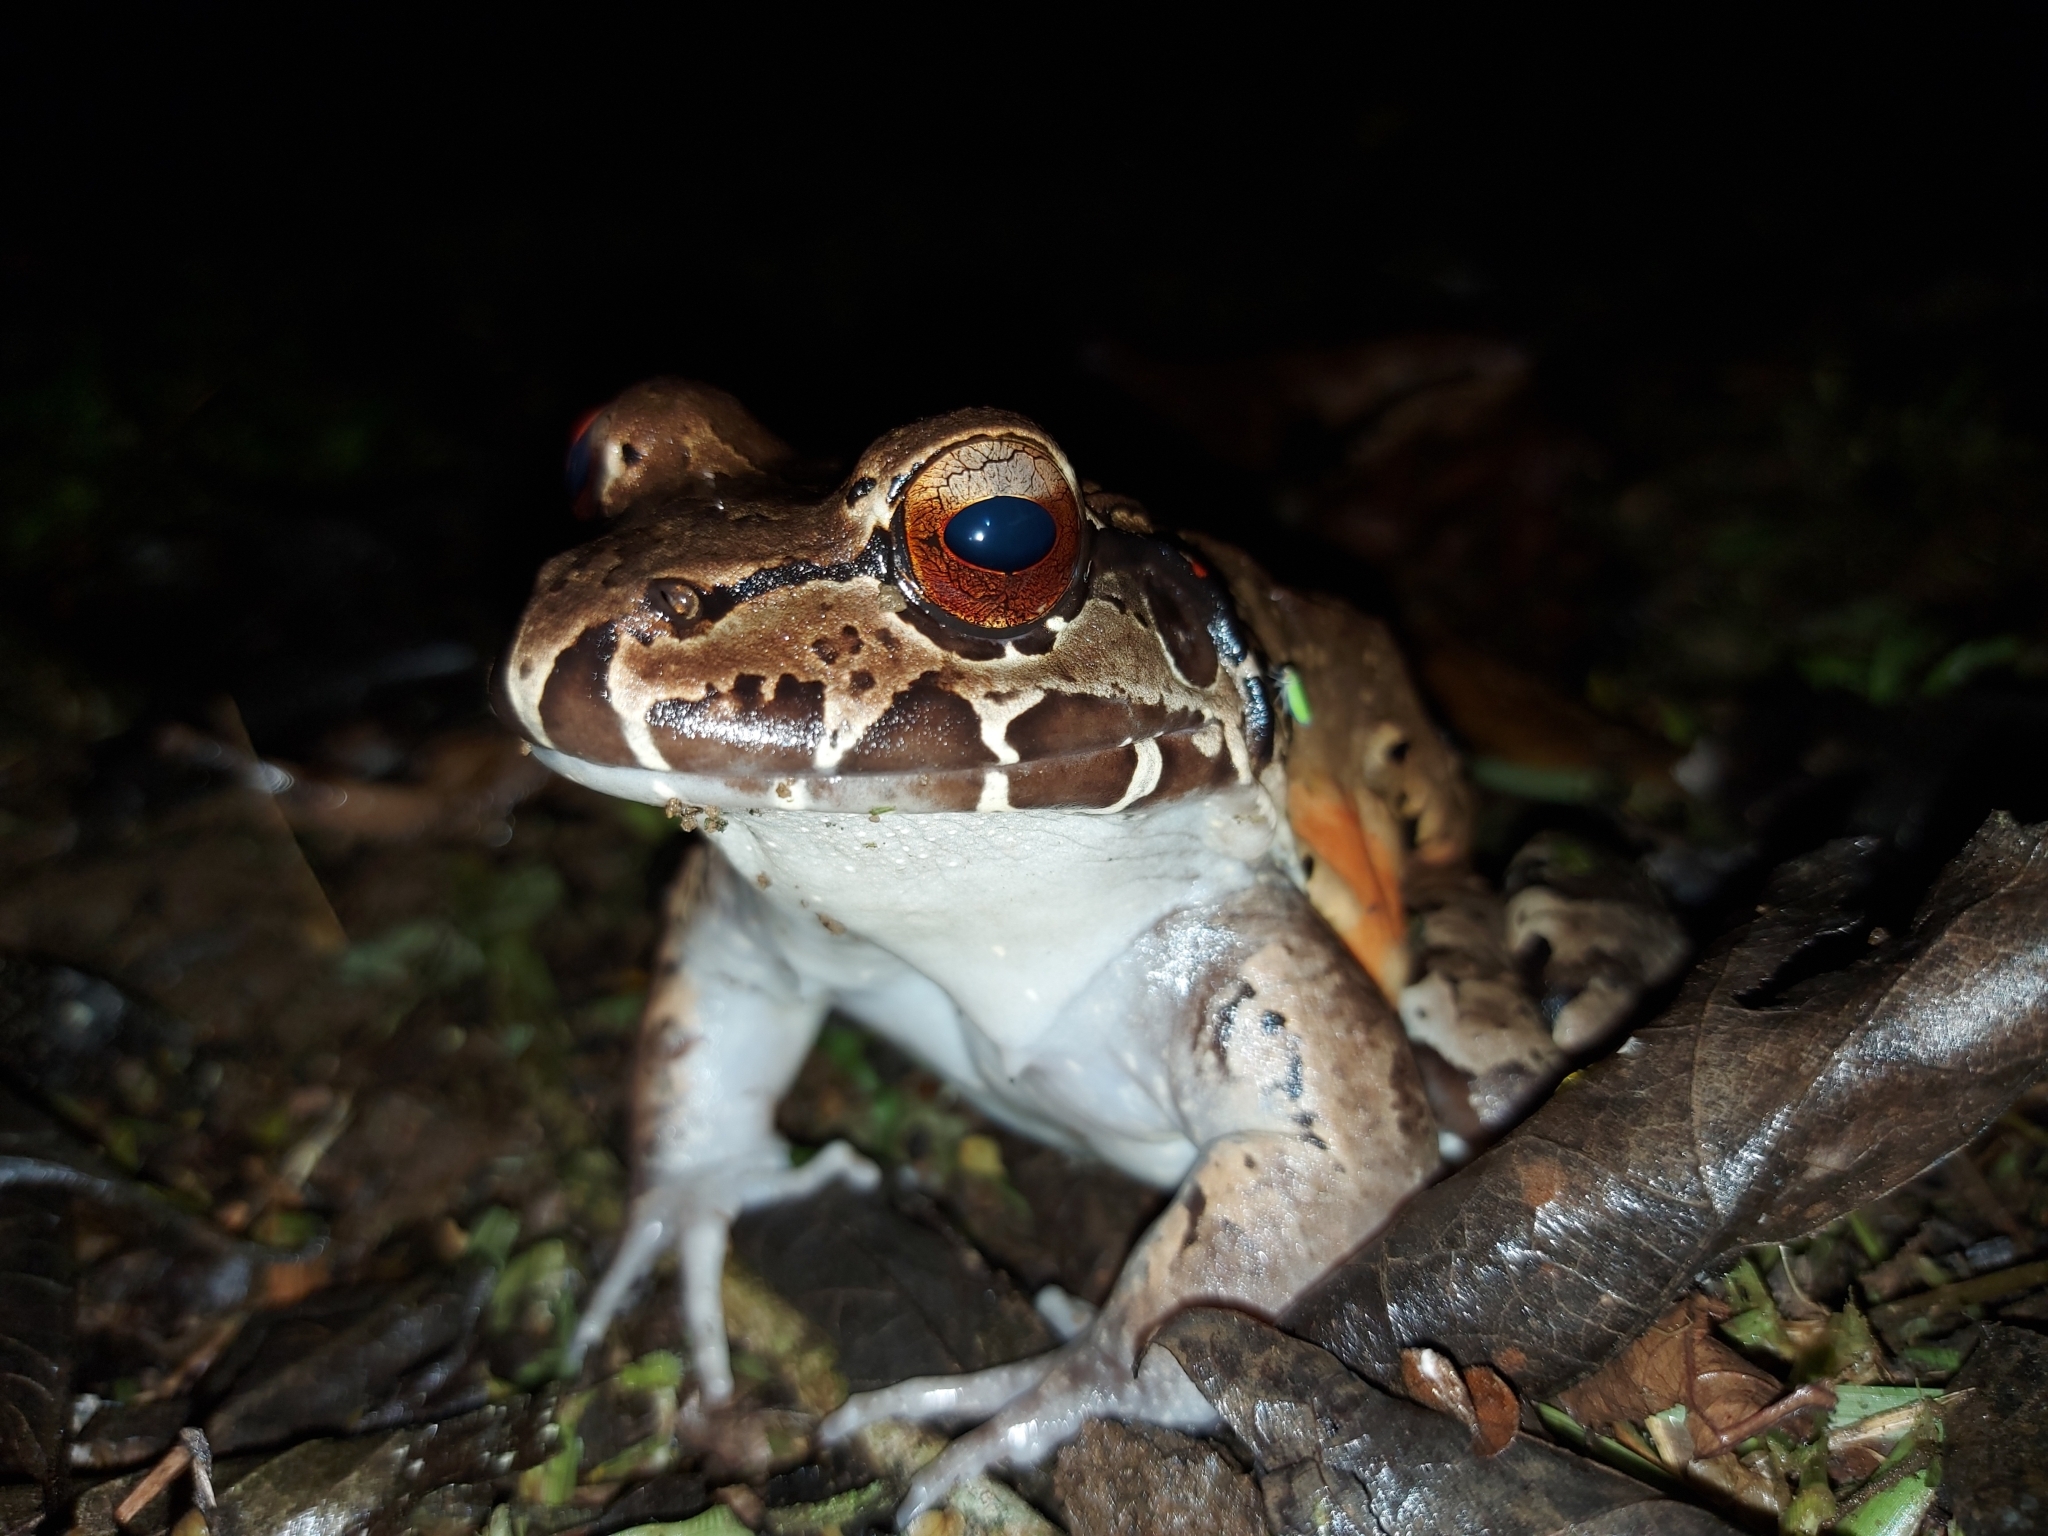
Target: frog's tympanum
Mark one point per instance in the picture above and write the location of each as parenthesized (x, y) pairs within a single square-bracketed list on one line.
[(1097, 823)]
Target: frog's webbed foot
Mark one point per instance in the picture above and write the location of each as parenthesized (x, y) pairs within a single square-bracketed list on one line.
[(1599, 930), (1030, 1408), (694, 1211), (1471, 1008)]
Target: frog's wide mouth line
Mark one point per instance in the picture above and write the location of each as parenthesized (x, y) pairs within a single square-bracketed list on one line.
[(1145, 771)]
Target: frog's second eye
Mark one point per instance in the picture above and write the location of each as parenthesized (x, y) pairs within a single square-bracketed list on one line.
[(992, 532), (1003, 533), (581, 468)]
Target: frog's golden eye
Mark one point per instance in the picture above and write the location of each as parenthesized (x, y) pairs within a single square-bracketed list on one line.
[(992, 531)]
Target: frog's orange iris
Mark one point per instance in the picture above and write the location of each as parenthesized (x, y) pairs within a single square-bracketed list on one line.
[(980, 470)]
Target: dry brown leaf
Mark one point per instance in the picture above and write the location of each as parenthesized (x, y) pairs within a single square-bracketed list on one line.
[(1430, 1379), (1498, 1409), (1679, 1360)]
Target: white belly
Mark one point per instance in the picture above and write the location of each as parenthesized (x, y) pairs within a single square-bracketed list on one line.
[(1010, 928)]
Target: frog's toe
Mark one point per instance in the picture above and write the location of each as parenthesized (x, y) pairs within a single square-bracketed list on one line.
[(1069, 1316), (1599, 957), (692, 1213), (1489, 1032), (652, 1220), (1084, 1382), (937, 1399), (836, 1161)]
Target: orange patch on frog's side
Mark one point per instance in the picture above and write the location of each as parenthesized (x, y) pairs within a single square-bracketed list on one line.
[(1367, 860)]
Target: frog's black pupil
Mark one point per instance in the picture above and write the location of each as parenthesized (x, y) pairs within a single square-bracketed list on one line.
[(1003, 533)]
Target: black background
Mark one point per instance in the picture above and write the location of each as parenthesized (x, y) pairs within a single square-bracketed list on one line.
[(307, 313)]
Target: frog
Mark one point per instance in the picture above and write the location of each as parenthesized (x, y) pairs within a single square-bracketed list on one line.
[(1096, 821)]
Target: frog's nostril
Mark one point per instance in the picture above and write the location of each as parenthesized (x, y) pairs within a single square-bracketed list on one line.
[(676, 598), (1002, 533)]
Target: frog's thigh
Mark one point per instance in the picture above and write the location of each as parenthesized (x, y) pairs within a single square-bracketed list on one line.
[(1292, 1074)]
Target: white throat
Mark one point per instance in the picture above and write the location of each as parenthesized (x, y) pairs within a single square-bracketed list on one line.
[(1010, 914)]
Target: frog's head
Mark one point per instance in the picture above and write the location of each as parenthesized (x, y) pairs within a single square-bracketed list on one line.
[(959, 625)]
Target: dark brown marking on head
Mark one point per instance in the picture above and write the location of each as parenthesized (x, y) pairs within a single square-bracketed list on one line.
[(1062, 723), (745, 728), (1037, 643), (1070, 606), (927, 727), (576, 703), (1081, 779), (947, 637), (849, 640), (824, 650), (1176, 621), (958, 791), (860, 680), (1185, 768), (1196, 1202)]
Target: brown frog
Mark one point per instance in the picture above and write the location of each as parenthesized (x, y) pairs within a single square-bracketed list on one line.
[(1103, 826)]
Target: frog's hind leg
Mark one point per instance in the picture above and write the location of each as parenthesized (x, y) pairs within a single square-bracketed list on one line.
[(1289, 1071), (1032, 1407)]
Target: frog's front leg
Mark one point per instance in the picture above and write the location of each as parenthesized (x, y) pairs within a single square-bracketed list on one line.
[(727, 1024), (1284, 1065)]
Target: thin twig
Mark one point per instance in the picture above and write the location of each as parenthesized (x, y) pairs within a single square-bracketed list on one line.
[(1816, 1395), (160, 1477)]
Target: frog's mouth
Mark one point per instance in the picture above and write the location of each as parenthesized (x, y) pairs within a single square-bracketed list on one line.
[(1104, 780)]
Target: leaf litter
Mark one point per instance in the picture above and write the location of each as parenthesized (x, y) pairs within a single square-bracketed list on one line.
[(310, 1150)]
